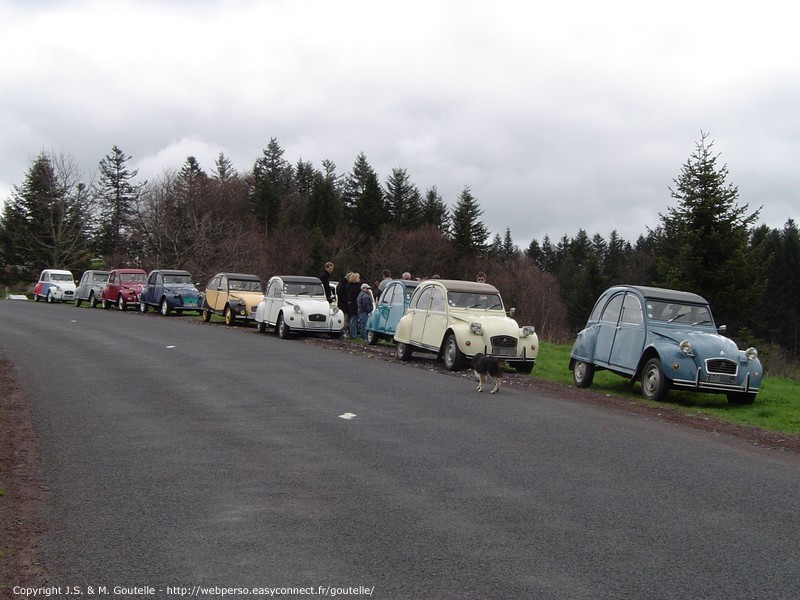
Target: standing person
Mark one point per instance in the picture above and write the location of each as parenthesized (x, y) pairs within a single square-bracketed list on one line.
[(325, 278), (352, 291), (480, 277), (341, 297), (387, 277), (406, 276), (365, 307)]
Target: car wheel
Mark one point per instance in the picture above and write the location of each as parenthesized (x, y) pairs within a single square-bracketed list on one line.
[(121, 304), (164, 307), (741, 398), (451, 355), (77, 302), (654, 383), (523, 367), (372, 338), (206, 316), (36, 297), (49, 298), (230, 318), (282, 328), (582, 374), (403, 351), (92, 300), (261, 326)]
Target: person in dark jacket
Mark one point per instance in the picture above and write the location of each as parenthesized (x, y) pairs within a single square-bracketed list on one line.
[(341, 298), (325, 278), (353, 290)]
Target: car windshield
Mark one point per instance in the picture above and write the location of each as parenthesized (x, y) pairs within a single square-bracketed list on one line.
[(303, 289), (132, 277), (177, 279), (101, 278), (60, 277), (474, 301), (675, 312), (244, 285)]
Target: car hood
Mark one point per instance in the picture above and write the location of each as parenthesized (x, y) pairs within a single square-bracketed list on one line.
[(705, 343), (309, 305), (491, 323), (249, 298), (181, 288)]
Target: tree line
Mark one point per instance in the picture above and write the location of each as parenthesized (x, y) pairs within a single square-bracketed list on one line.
[(284, 217)]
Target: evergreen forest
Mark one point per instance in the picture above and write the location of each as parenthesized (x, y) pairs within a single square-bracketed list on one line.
[(284, 217)]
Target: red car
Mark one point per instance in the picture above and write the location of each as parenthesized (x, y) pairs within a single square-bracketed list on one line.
[(123, 288)]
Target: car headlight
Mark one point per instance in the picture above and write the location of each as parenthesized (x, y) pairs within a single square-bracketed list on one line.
[(297, 309), (751, 353), (686, 347), (528, 330), (334, 309), (476, 328)]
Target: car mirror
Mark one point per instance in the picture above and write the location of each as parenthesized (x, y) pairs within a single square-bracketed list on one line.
[(511, 312), (722, 329)]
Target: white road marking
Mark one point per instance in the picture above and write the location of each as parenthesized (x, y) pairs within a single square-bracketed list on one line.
[(347, 416)]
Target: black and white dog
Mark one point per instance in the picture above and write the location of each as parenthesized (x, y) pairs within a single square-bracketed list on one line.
[(487, 367)]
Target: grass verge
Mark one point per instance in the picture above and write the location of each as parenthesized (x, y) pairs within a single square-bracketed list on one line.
[(777, 406)]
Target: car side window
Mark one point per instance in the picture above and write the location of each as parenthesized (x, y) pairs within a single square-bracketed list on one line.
[(631, 310), (437, 300), (424, 299), (223, 285), (398, 297), (113, 279), (612, 310)]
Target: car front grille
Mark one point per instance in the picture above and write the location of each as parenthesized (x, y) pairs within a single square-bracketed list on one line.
[(721, 366), (504, 345), (317, 317)]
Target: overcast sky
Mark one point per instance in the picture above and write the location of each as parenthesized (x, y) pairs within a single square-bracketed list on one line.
[(558, 116)]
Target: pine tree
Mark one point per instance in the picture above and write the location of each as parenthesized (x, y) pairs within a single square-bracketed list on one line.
[(402, 200), (115, 196), (434, 211), (703, 241), (469, 234), (364, 202), (272, 180)]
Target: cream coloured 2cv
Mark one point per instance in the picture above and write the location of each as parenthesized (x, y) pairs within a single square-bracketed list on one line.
[(459, 319), (296, 304)]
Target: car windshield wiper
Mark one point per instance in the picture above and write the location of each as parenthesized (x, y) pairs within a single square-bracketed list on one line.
[(700, 322), (677, 317)]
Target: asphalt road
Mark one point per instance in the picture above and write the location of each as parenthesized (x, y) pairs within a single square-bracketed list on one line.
[(177, 453)]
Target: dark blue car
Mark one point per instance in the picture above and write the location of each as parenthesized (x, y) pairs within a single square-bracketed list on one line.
[(168, 291), (663, 338), (391, 305)]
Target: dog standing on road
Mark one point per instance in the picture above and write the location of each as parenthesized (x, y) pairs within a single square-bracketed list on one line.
[(487, 367)]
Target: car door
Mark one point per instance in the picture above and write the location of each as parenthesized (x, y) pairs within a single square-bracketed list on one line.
[(420, 314), (212, 291), (630, 335), (223, 292), (384, 307), (274, 300), (158, 288), (82, 293), (112, 287), (607, 329), (436, 319)]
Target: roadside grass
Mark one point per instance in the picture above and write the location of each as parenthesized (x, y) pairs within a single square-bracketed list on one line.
[(776, 408)]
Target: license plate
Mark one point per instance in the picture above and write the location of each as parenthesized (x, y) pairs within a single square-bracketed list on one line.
[(729, 379)]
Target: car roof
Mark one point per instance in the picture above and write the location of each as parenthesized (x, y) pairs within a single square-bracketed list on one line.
[(59, 271), (457, 285), (297, 279), (246, 276), (654, 293), (412, 283), (96, 271), (171, 272), (129, 271)]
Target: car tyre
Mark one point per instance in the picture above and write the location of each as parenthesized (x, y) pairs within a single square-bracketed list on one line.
[(164, 307), (142, 307), (372, 338), (35, 297), (403, 351), (121, 304), (282, 328), (654, 383), (206, 315), (582, 374), (741, 398), (77, 302), (230, 318), (261, 326), (92, 300), (451, 355), (105, 304), (49, 297)]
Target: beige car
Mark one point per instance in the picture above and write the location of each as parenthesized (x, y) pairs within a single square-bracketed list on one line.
[(457, 320), (235, 296)]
